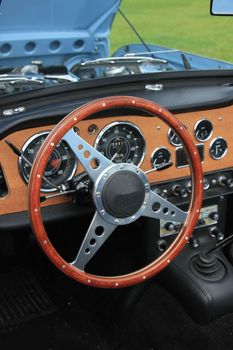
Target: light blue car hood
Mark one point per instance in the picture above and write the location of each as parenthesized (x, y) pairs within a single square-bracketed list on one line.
[(66, 32), (55, 32)]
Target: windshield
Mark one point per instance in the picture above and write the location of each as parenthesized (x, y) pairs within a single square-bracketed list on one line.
[(132, 38)]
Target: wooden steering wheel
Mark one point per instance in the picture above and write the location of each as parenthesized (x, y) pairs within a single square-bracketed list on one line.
[(121, 194)]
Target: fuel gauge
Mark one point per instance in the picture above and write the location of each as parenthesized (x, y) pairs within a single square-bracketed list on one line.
[(161, 156)]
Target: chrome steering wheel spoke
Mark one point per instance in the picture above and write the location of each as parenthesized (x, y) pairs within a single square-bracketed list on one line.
[(160, 208), (98, 232), (92, 160)]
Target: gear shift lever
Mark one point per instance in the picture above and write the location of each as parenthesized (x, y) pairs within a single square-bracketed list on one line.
[(206, 264)]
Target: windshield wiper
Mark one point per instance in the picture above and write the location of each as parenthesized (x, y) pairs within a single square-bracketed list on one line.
[(66, 77), (125, 60), (185, 60), (21, 82), (18, 78), (39, 79)]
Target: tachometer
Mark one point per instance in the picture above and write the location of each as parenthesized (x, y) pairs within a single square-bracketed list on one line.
[(203, 130), (60, 168), (121, 142)]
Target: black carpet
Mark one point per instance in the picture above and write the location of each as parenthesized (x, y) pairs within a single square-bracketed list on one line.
[(21, 299), (73, 317), (30, 320)]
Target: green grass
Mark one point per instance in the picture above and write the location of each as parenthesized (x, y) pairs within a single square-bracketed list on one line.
[(182, 24)]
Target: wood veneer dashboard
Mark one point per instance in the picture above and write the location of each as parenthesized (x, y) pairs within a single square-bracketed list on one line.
[(155, 134)]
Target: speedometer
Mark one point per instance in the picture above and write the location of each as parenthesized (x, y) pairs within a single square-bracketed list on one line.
[(60, 167), (121, 142)]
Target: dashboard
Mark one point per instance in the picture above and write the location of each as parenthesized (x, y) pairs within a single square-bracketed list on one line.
[(125, 135), (203, 102), (143, 140)]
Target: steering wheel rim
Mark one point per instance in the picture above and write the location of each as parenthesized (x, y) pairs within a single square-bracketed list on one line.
[(39, 165)]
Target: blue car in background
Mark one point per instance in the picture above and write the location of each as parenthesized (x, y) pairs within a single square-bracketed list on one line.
[(116, 185)]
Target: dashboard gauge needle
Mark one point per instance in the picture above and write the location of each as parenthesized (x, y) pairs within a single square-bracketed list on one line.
[(20, 154), (117, 151), (114, 157)]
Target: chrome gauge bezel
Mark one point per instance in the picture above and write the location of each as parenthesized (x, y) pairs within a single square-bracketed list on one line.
[(211, 144), (196, 126), (169, 139), (20, 165), (107, 127), (158, 149)]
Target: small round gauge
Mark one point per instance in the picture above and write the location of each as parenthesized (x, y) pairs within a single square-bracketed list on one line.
[(61, 165), (218, 148), (121, 142), (203, 130), (160, 156), (173, 138)]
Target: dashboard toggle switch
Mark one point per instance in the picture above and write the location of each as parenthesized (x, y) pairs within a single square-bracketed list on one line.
[(215, 233), (224, 181), (178, 190), (214, 216)]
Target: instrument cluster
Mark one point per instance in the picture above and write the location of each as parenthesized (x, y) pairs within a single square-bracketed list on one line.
[(124, 142), (203, 131), (121, 142)]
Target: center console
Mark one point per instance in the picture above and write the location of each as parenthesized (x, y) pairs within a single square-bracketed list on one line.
[(203, 281)]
